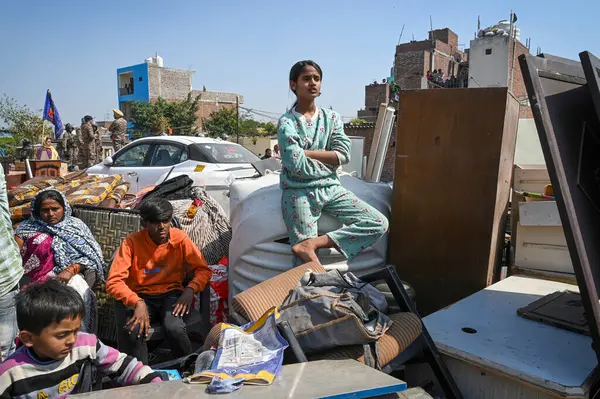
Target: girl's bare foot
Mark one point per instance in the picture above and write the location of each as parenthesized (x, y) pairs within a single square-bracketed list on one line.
[(306, 251)]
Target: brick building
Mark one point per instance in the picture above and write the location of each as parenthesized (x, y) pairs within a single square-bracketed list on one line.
[(489, 62), (375, 94), (150, 81), (414, 59), (366, 130), (211, 101)]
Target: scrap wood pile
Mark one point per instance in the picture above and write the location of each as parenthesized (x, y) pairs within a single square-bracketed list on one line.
[(78, 187)]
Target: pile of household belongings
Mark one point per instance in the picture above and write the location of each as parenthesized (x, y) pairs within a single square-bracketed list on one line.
[(198, 214), (324, 311), (78, 187)]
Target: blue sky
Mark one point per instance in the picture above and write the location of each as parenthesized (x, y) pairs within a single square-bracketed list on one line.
[(248, 47)]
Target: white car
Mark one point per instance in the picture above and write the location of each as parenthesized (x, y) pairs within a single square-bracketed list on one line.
[(149, 161)]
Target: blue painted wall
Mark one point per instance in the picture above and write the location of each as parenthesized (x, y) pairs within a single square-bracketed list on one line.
[(141, 91), (141, 88)]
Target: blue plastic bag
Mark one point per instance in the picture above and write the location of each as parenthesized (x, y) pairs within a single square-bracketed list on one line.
[(251, 354)]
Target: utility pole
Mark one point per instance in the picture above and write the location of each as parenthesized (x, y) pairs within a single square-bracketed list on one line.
[(511, 63), (237, 119), (432, 54)]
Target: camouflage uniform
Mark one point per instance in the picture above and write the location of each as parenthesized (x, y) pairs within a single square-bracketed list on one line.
[(80, 151), (88, 146), (98, 142), (73, 146), (118, 133), (61, 146)]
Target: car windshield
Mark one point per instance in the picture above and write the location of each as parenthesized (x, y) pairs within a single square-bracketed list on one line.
[(226, 153)]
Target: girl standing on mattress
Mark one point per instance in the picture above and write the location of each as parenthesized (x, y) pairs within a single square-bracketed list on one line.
[(313, 145)]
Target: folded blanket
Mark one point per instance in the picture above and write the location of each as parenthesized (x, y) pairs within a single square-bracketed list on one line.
[(93, 193), (27, 191), (78, 187), (116, 196)]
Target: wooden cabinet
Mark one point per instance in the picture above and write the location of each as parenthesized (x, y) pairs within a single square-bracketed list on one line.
[(454, 161)]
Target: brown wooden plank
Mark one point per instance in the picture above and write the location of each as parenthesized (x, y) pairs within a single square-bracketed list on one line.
[(568, 126), (454, 156), (562, 309)]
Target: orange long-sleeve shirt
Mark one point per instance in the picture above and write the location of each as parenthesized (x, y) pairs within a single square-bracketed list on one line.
[(142, 267)]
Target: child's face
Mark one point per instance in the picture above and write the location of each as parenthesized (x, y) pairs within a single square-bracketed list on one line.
[(56, 340), (308, 85)]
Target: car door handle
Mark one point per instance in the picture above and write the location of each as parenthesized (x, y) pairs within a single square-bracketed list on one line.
[(132, 174)]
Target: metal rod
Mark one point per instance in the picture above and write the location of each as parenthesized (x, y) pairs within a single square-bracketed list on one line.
[(237, 119), (510, 35), (432, 54), (401, 32), (28, 169), (514, 59)]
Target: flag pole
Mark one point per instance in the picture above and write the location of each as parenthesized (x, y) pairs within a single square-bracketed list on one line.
[(43, 116), (43, 131)]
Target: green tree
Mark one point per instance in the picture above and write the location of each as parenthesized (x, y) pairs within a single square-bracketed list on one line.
[(182, 115), (358, 121), (21, 121), (270, 129), (161, 124), (249, 127), (221, 122), (161, 115), (144, 116)]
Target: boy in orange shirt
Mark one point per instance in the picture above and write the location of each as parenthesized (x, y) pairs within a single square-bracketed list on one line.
[(146, 279)]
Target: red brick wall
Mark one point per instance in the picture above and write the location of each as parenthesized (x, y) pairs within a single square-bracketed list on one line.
[(412, 59), (367, 131), (442, 62), (444, 47), (445, 35), (205, 108), (518, 85), (421, 45), (375, 95), (410, 67)]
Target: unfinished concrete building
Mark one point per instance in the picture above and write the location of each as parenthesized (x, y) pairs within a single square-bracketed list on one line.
[(150, 81)]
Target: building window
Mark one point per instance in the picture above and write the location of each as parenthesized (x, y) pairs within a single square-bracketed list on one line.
[(126, 86), (140, 79), (488, 51)]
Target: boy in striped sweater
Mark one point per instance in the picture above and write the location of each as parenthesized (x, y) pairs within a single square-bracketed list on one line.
[(55, 359)]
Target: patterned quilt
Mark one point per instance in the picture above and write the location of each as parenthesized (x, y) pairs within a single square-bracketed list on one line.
[(78, 187)]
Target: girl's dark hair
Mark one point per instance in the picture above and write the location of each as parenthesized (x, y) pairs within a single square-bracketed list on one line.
[(39, 305), (297, 70), (50, 194), (156, 210)]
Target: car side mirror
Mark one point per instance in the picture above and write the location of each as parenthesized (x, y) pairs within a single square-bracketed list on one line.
[(108, 161)]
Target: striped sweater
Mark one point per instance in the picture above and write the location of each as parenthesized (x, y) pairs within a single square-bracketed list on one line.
[(24, 376)]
